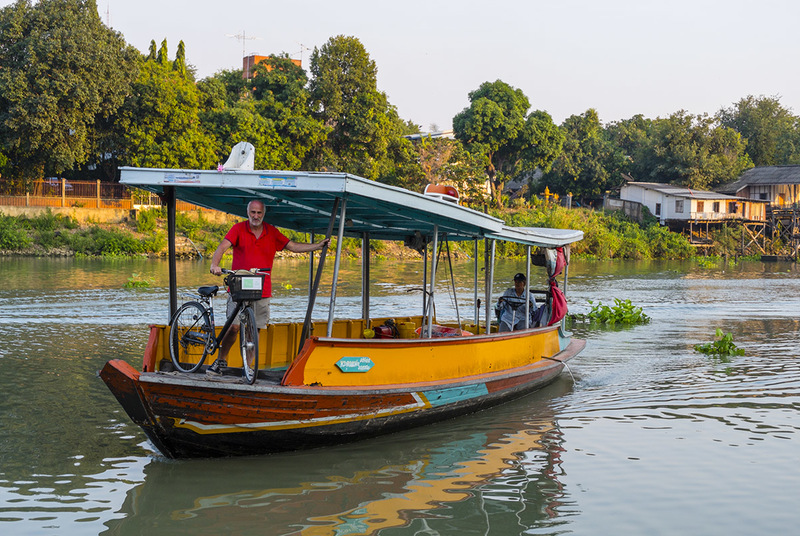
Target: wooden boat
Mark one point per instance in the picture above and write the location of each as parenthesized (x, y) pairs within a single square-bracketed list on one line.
[(318, 389)]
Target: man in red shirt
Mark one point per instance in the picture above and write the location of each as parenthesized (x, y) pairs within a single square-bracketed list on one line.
[(254, 245)]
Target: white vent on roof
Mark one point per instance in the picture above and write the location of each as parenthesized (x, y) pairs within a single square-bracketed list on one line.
[(243, 156)]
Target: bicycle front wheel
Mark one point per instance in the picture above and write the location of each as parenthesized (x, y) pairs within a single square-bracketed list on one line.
[(248, 337), (189, 334)]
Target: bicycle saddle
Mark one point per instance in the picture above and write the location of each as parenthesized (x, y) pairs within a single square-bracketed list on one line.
[(208, 291)]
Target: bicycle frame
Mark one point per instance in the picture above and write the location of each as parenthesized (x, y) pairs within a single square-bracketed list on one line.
[(216, 341)]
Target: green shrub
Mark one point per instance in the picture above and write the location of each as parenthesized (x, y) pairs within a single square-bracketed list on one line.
[(51, 239), (156, 243), (47, 221), (97, 241), (147, 220), (12, 237)]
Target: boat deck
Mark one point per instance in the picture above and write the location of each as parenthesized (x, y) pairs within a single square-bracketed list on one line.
[(229, 375)]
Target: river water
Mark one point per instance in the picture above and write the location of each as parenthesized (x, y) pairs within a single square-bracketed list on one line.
[(644, 435)]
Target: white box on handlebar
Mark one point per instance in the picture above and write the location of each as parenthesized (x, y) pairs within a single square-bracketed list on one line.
[(245, 287)]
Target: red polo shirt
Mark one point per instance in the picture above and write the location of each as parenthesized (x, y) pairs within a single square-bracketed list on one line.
[(251, 252)]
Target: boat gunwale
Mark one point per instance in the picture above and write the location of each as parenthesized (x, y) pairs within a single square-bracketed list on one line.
[(574, 347)]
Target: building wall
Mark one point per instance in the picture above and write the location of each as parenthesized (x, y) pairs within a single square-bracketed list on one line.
[(249, 63), (784, 194), (776, 194), (668, 207)]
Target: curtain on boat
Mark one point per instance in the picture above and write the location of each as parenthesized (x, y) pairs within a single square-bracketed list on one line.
[(556, 261)]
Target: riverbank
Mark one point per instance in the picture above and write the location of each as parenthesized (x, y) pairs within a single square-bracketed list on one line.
[(606, 236)]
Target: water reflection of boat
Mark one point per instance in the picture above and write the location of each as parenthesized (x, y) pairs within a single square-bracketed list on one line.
[(341, 386), (505, 476)]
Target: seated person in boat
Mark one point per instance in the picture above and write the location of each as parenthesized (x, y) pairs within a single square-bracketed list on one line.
[(510, 307), (254, 245)]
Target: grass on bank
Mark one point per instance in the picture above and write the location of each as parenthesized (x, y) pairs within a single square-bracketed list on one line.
[(606, 236)]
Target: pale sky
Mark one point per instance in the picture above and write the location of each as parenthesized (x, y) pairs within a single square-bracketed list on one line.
[(621, 57)]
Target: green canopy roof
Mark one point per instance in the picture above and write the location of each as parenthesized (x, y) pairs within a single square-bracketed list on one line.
[(303, 201)]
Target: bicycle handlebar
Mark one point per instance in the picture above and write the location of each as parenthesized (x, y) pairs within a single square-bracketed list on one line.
[(225, 271)]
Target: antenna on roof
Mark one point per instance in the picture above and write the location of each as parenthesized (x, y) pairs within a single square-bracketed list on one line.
[(243, 38), (302, 49)]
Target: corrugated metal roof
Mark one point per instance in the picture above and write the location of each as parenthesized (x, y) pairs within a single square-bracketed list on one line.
[(764, 175), (679, 191), (303, 201)]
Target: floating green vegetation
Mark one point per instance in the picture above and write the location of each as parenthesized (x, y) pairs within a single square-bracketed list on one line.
[(139, 281), (708, 262), (622, 312), (723, 345)]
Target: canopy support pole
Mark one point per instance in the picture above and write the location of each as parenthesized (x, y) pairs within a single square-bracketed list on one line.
[(433, 279), (489, 278), (311, 239), (424, 281), (475, 287), (452, 281), (313, 294), (527, 287), (365, 280), (169, 199), (336, 263)]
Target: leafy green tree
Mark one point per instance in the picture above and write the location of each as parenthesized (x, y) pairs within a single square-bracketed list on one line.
[(242, 122), (226, 87), (445, 161), (163, 54), (279, 87), (691, 151), (63, 74), (629, 135), (179, 65), (496, 125), (590, 163), (270, 111), (160, 121), (771, 130), (365, 130)]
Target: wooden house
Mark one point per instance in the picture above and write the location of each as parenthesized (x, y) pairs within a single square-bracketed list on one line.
[(777, 185), (676, 205)]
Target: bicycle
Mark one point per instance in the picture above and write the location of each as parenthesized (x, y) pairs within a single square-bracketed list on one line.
[(192, 329)]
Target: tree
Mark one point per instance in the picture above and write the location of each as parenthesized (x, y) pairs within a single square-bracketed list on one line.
[(270, 111), (226, 87), (770, 129), (160, 121), (179, 65), (242, 122), (279, 87), (445, 161), (589, 163), (63, 74), (690, 151), (496, 126), (365, 130), (163, 54)]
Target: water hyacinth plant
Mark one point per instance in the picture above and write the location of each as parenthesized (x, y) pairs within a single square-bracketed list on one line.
[(139, 281), (722, 346), (622, 312)]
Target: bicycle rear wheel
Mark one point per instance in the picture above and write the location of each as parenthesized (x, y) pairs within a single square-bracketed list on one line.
[(189, 333), (248, 338)]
